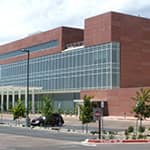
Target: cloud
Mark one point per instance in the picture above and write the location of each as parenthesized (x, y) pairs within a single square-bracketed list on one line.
[(22, 17)]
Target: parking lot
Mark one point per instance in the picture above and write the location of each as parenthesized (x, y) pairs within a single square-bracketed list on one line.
[(73, 122)]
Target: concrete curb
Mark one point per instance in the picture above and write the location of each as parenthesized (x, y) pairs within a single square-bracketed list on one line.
[(97, 141)]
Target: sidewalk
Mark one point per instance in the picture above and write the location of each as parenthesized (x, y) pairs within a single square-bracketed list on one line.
[(108, 121), (123, 118), (74, 126)]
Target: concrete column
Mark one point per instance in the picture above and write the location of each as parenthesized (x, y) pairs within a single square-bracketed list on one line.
[(7, 100), (19, 95), (2, 101), (33, 101), (13, 99)]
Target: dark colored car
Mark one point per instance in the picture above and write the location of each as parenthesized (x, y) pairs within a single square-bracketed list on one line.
[(54, 119)]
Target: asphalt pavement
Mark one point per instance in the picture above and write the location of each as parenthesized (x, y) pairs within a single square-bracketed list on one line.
[(50, 134), (13, 137), (18, 142)]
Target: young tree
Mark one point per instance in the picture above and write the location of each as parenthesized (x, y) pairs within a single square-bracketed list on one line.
[(86, 111), (47, 109), (142, 107), (48, 106), (19, 110)]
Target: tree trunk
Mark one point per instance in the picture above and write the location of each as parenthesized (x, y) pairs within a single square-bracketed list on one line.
[(141, 122), (136, 127), (86, 127), (82, 127)]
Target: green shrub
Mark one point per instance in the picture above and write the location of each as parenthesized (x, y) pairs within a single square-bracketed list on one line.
[(94, 132), (61, 111), (111, 136), (133, 136), (111, 132), (67, 111), (141, 129), (104, 132), (130, 129), (145, 137), (141, 136), (126, 132)]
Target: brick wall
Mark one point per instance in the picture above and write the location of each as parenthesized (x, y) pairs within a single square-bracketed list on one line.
[(133, 33), (97, 30), (119, 100), (64, 35)]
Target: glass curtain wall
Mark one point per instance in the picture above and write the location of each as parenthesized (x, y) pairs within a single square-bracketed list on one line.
[(95, 67)]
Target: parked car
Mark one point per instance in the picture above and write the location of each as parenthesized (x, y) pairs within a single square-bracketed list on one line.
[(54, 119)]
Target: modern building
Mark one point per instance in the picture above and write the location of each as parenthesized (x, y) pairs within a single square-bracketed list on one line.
[(108, 59)]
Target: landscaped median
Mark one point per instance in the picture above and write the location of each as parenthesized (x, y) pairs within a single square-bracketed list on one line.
[(98, 141)]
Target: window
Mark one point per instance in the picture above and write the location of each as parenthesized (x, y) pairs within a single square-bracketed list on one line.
[(34, 48), (86, 68)]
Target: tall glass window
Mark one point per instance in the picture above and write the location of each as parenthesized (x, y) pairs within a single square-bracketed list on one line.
[(38, 47), (95, 67)]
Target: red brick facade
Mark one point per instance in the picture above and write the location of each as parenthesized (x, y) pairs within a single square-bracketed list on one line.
[(119, 101), (64, 35), (97, 30), (133, 34)]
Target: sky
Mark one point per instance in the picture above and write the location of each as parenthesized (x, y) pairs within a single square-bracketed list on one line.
[(21, 18)]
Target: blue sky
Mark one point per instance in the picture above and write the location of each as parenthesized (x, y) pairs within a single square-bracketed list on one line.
[(20, 18)]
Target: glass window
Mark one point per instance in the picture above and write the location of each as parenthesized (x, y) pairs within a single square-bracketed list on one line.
[(34, 48), (91, 67)]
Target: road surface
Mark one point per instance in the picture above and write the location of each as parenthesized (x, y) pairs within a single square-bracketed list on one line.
[(19, 142)]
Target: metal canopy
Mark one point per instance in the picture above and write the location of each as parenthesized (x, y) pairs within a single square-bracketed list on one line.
[(18, 88)]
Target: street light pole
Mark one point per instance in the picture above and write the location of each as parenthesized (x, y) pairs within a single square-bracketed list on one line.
[(100, 125), (27, 102)]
